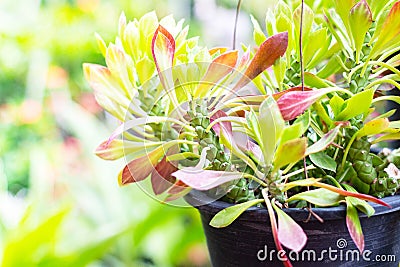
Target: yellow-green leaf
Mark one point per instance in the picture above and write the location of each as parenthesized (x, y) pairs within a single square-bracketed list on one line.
[(290, 152), (356, 105), (320, 197), (390, 29), (360, 20), (373, 127), (271, 127), (226, 216)]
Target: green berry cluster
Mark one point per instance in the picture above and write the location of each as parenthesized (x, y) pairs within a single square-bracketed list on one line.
[(199, 120), (238, 191), (293, 73), (365, 170), (359, 82)]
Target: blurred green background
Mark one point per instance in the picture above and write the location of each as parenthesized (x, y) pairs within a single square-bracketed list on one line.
[(59, 204)]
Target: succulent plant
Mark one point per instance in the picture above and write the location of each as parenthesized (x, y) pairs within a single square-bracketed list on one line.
[(289, 123)]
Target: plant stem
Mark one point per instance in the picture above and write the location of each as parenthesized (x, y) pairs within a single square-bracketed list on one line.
[(236, 22), (301, 45), (380, 81), (347, 150), (302, 70)]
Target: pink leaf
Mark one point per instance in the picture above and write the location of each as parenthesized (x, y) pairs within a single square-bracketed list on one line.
[(294, 103), (274, 229), (268, 52), (205, 179), (278, 95), (290, 234), (226, 125)]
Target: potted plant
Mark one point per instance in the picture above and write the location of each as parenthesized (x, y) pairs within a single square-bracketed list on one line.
[(262, 142)]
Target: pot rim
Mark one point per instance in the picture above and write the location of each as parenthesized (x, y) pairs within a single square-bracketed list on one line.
[(204, 203)]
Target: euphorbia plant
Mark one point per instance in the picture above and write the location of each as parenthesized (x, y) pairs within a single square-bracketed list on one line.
[(288, 124)]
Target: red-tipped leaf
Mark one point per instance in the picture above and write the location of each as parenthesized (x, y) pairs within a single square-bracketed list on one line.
[(163, 51), (269, 51), (290, 234), (352, 194), (274, 229), (140, 168), (161, 178), (354, 226), (218, 69)]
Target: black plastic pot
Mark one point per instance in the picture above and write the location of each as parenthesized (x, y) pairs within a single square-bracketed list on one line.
[(248, 241)]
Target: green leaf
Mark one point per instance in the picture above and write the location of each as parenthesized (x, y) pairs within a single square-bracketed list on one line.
[(354, 226), (271, 127), (320, 49), (336, 103), (319, 44), (340, 29), (320, 197), (32, 241), (323, 161), (280, 70), (283, 23), (226, 216), (253, 126), (314, 81), (356, 105), (343, 7), (258, 35), (345, 193), (360, 20), (324, 142), (290, 152), (148, 24), (308, 18), (282, 8), (330, 68), (360, 204), (297, 128), (145, 69), (377, 7), (373, 127)]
